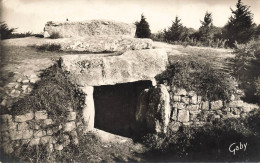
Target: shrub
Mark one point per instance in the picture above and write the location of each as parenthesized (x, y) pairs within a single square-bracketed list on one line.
[(21, 35), (49, 47), (53, 93), (55, 35), (210, 142), (5, 31), (246, 69), (211, 83)]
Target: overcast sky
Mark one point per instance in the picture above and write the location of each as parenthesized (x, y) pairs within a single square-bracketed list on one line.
[(31, 15)]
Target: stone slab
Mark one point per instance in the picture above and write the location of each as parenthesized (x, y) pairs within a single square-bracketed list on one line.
[(89, 28), (100, 44), (94, 70)]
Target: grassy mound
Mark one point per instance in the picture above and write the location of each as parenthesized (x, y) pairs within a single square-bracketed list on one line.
[(193, 73)]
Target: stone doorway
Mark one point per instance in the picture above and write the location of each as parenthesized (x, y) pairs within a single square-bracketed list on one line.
[(115, 107)]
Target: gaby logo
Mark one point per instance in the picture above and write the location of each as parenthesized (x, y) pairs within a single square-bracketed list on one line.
[(236, 147)]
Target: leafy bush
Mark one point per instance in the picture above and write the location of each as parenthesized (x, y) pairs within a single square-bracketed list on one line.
[(53, 93), (21, 35), (211, 83), (208, 143), (49, 47), (246, 69), (55, 35)]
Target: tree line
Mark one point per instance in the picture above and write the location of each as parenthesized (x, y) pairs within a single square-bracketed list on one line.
[(240, 28)]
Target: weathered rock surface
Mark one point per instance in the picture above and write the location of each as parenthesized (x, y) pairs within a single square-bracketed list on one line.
[(94, 70), (89, 28), (102, 43), (153, 109)]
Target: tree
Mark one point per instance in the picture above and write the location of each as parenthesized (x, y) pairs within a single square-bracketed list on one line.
[(177, 32), (5, 32), (206, 29), (240, 26), (142, 28)]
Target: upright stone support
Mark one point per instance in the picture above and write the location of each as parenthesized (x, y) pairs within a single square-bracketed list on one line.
[(89, 108), (153, 109)]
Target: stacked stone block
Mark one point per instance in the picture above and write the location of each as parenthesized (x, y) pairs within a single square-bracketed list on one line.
[(37, 128), (188, 108)]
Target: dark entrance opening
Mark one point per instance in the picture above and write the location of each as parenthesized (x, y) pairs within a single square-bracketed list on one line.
[(115, 107)]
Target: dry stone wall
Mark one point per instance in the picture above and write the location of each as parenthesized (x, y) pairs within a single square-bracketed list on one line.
[(38, 128), (184, 108)]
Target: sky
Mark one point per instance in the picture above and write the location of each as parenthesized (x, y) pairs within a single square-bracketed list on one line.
[(32, 15)]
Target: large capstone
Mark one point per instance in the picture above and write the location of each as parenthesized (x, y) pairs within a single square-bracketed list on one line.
[(68, 29), (99, 44), (98, 69)]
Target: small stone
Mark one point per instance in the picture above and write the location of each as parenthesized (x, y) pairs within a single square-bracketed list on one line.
[(232, 97), (4, 102), (49, 148), (243, 115), (25, 117), (174, 126), (11, 85), (16, 135), (34, 80), (176, 98), (29, 90), (227, 109), (24, 87), (217, 116), (195, 112), (16, 86), (180, 92), (66, 140), (58, 147), (39, 133), (49, 132), (236, 111), (187, 123), (71, 116), (19, 80), (185, 100), (36, 127), (191, 94), (219, 112), (45, 139), (205, 105), (34, 141), (183, 115), (192, 107), (174, 114), (5, 118), (7, 148), (194, 99), (41, 115), (69, 126), (27, 134), (199, 99), (215, 105), (22, 126), (26, 81), (48, 122), (181, 106), (238, 103)]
